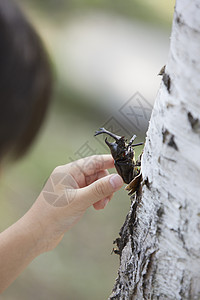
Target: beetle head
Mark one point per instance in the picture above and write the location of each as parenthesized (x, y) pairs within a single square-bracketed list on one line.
[(117, 148)]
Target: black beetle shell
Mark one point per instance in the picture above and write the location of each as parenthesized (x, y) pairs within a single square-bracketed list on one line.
[(125, 169)]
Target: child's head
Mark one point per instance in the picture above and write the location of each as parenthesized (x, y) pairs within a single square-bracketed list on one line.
[(25, 81)]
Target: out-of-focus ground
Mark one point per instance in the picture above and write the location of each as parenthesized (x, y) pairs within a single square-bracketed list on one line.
[(102, 54)]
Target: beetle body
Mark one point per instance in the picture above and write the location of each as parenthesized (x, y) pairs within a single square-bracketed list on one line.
[(123, 159), (123, 154)]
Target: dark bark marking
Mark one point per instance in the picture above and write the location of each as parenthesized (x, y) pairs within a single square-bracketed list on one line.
[(172, 143), (169, 138), (194, 122), (167, 82), (165, 133), (162, 71), (186, 288), (190, 290), (179, 20), (181, 292), (166, 78), (169, 159), (147, 183), (169, 105), (181, 237), (160, 213)]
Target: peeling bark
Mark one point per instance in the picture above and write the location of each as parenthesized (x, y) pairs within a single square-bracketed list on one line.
[(159, 243)]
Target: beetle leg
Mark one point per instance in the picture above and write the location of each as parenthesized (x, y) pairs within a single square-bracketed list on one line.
[(132, 140), (138, 144), (138, 161)]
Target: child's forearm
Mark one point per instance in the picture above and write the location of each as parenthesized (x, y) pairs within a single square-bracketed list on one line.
[(18, 247)]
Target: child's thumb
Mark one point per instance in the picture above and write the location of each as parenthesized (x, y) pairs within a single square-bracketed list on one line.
[(98, 190)]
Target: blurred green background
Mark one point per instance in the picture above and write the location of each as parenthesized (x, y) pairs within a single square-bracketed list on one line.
[(102, 52)]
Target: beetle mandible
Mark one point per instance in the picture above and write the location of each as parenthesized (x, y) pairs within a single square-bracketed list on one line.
[(124, 158)]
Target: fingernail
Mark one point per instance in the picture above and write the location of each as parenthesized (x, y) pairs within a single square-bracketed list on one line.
[(116, 181), (105, 202)]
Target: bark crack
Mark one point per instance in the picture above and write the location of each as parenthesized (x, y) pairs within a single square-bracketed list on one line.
[(194, 122)]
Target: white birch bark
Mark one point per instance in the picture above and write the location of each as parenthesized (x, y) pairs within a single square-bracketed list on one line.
[(159, 242)]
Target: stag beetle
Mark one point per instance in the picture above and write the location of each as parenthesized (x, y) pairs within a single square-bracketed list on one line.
[(124, 158)]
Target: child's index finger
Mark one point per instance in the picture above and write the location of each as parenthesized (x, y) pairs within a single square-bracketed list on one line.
[(92, 164), (96, 163)]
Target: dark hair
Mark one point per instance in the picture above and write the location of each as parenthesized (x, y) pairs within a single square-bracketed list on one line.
[(25, 81)]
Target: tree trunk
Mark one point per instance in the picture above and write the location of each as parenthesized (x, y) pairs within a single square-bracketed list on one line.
[(159, 243)]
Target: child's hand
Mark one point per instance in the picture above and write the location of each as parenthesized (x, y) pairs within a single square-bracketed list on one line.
[(69, 191)]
